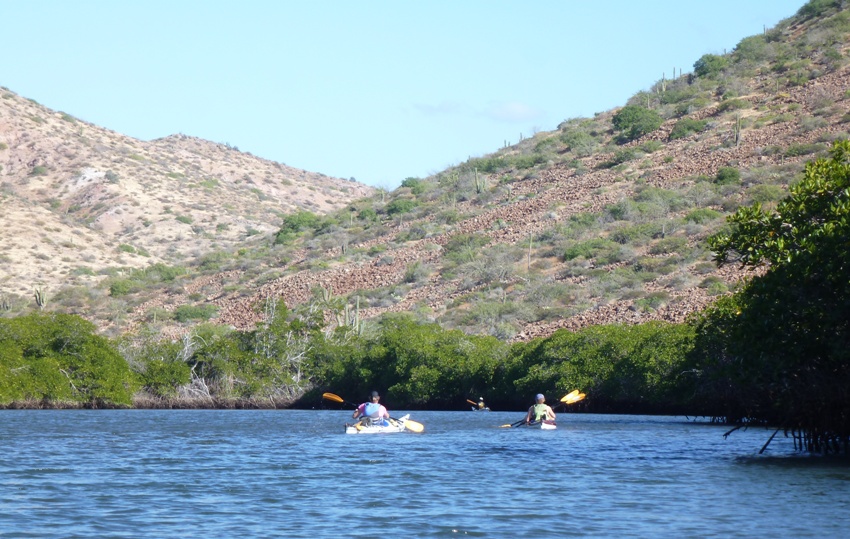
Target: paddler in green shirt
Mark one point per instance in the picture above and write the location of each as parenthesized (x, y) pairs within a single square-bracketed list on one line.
[(539, 411)]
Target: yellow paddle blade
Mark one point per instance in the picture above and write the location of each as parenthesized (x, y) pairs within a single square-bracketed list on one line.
[(332, 397), (414, 426), (505, 426), (569, 395), (575, 399)]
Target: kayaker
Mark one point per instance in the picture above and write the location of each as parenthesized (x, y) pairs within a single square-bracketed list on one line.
[(372, 412), (481, 405), (539, 411)]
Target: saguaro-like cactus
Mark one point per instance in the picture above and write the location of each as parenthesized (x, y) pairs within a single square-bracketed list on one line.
[(480, 182), (737, 129), (40, 298)]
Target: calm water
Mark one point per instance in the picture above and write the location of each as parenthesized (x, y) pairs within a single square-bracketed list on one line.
[(230, 474)]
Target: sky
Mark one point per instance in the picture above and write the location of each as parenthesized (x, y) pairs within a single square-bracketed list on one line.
[(378, 91)]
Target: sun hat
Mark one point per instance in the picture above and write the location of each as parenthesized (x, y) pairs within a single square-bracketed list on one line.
[(540, 396)]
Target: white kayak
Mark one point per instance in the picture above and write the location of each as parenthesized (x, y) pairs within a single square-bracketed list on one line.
[(547, 424), (395, 425)]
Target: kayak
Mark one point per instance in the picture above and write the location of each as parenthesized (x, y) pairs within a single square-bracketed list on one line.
[(547, 424), (394, 426), (476, 409)]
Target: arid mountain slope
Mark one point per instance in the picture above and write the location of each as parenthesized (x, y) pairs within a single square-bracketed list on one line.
[(570, 228), (76, 199), (539, 202)]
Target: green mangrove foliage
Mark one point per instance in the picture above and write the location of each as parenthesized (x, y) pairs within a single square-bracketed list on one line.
[(58, 358), (638, 368), (779, 350)]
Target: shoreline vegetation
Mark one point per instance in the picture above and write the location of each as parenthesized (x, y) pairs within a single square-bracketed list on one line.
[(150, 403)]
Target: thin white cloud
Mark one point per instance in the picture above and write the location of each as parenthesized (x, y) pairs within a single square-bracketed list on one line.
[(450, 108), (502, 111), (512, 111)]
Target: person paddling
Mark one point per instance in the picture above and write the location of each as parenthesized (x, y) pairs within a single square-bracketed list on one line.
[(540, 411), (481, 405), (372, 412)]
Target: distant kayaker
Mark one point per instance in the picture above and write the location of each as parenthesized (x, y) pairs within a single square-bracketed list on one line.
[(539, 411), (481, 405), (372, 412)]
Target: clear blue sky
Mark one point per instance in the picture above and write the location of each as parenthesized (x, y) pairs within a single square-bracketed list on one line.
[(375, 90)]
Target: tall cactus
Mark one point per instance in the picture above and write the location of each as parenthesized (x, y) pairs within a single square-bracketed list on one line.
[(480, 182), (737, 129), (40, 298)]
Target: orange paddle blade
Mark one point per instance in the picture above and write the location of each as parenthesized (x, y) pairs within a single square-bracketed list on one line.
[(332, 397)]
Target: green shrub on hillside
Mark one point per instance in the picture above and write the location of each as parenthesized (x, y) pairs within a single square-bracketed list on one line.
[(522, 162), (488, 165), (621, 156), (710, 65), (401, 206), (816, 8), (634, 121), (685, 127), (602, 250), (796, 150), (186, 313), (754, 49), (669, 245), (653, 301), (702, 215), (764, 194), (732, 104), (416, 185), (727, 176), (579, 142), (368, 214), (122, 287), (296, 223), (636, 234)]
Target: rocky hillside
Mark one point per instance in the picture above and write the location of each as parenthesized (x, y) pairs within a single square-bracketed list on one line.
[(591, 223), (77, 200)]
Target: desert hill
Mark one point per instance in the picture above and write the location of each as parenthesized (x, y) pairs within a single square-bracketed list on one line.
[(594, 222), (77, 199)]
